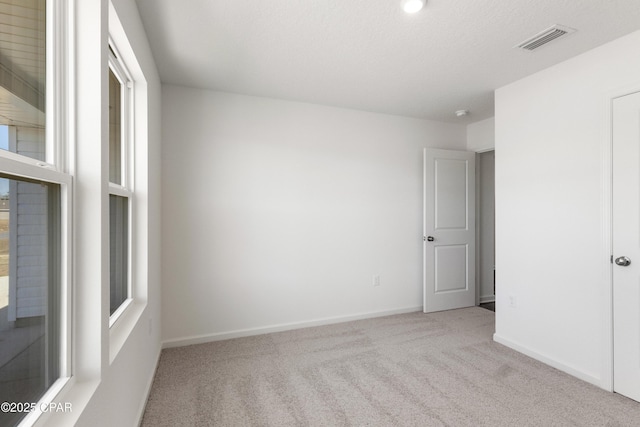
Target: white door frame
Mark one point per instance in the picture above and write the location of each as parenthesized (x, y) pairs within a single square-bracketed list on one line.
[(446, 237), (477, 229), (478, 201), (607, 230)]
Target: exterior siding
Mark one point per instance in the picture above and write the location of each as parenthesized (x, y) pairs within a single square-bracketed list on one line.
[(28, 224)]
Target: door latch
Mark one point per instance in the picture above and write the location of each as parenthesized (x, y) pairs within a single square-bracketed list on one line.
[(623, 261)]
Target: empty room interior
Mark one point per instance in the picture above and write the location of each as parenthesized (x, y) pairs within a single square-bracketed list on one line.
[(318, 213)]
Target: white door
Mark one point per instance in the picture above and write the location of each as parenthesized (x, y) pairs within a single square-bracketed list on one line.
[(449, 230), (626, 243)]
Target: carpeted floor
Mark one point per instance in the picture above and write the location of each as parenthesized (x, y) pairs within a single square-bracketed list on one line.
[(440, 369)]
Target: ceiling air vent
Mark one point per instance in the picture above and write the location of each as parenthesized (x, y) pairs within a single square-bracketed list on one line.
[(544, 37)]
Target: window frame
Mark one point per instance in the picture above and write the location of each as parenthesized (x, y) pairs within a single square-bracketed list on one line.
[(117, 65), (55, 169), (77, 159), (19, 169)]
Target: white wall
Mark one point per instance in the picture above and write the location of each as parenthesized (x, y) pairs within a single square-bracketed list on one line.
[(279, 213), (481, 135), (552, 171)]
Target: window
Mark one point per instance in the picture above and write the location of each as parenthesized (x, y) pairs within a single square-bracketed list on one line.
[(120, 184), (34, 223), (30, 296)]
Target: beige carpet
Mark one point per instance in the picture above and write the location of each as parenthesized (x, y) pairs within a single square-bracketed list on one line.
[(440, 369)]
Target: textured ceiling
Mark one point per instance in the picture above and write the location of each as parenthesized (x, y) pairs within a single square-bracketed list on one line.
[(369, 54)]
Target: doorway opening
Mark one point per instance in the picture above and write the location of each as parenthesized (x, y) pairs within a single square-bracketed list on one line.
[(485, 230)]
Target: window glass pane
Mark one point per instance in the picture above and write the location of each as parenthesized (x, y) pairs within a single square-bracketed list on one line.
[(115, 134), (4, 137), (118, 250), (23, 76), (29, 291)]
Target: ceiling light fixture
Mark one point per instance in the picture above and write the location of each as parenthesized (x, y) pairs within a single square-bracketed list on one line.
[(412, 6), (462, 113)]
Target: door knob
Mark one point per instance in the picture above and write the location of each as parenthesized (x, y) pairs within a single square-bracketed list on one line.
[(623, 261), (430, 239)]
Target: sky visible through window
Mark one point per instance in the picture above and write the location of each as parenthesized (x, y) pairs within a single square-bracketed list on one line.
[(4, 145)]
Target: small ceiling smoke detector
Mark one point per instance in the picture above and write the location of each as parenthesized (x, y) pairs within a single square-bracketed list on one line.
[(413, 6), (545, 36), (462, 113)]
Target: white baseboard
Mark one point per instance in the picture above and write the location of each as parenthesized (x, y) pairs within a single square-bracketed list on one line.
[(488, 298), (201, 339), (147, 390), (549, 361)]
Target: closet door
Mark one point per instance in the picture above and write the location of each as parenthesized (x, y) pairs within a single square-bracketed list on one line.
[(626, 245)]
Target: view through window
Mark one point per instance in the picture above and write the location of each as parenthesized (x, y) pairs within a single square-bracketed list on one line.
[(29, 290), (30, 218)]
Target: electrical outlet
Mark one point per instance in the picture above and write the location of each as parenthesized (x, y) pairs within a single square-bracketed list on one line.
[(376, 280)]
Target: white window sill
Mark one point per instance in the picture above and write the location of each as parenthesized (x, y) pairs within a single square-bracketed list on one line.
[(73, 397), (123, 325)]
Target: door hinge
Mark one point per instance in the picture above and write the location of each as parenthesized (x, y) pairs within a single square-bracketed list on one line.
[(424, 238), (611, 261)]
